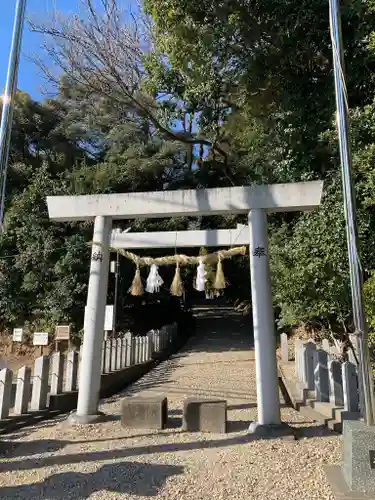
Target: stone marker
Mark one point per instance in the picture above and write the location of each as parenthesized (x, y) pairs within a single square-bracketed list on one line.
[(23, 390), (71, 371), (297, 358), (119, 341), (308, 364), (321, 375), (325, 345), (57, 374), (336, 395), (144, 412), (350, 387), (6, 379), (113, 355), (284, 347), (40, 384), (205, 415), (150, 345)]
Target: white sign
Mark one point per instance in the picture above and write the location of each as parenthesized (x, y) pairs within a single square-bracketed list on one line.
[(40, 338), (108, 320), (18, 335)]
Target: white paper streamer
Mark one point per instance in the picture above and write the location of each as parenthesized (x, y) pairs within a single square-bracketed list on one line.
[(154, 280), (200, 278)]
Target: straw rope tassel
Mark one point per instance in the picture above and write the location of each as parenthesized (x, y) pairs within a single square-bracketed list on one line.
[(137, 288), (219, 283), (176, 286)]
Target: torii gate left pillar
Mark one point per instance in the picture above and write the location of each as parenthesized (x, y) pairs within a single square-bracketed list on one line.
[(255, 200)]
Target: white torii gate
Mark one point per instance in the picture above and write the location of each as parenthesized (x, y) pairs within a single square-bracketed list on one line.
[(256, 200)]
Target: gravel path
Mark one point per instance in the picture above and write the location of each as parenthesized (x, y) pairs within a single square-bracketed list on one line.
[(105, 461)]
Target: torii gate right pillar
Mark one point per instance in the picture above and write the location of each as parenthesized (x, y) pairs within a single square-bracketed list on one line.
[(263, 322)]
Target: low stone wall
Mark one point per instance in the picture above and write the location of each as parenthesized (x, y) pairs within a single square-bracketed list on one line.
[(41, 394), (318, 384)]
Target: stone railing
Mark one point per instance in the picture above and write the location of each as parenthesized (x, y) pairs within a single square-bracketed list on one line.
[(30, 390), (316, 378)]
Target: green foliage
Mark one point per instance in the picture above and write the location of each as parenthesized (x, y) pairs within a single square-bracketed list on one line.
[(226, 93)]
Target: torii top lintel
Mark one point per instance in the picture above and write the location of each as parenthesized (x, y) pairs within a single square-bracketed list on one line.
[(299, 196)]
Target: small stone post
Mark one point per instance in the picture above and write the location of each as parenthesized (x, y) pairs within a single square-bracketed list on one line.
[(336, 395), (114, 355), (297, 359), (321, 375), (108, 356), (119, 342), (71, 371), (350, 386), (125, 348), (308, 364), (23, 390), (150, 345), (6, 381), (284, 347), (57, 373), (40, 384), (325, 345)]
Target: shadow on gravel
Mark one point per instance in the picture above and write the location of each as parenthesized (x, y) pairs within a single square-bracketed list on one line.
[(147, 449), (131, 478), (313, 432)]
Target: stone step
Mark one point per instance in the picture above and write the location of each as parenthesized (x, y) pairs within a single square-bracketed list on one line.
[(337, 413)]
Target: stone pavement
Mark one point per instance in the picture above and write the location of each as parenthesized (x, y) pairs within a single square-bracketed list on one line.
[(106, 461)]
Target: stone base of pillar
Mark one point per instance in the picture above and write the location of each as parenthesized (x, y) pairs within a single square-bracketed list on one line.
[(272, 431), (340, 488), (75, 419), (355, 478)]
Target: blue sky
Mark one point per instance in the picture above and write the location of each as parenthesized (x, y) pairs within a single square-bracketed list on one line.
[(29, 79)]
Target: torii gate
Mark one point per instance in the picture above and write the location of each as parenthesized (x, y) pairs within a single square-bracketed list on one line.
[(256, 200)]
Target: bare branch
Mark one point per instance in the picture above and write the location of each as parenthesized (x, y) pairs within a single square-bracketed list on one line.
[(103, 54)]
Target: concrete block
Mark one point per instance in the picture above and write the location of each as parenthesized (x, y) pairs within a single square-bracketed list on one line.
[(144, 412), (358, 464), (340, 489), (205, 415)]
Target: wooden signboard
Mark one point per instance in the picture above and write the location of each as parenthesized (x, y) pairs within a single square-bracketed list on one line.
[(18, 335), (62, 332)]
